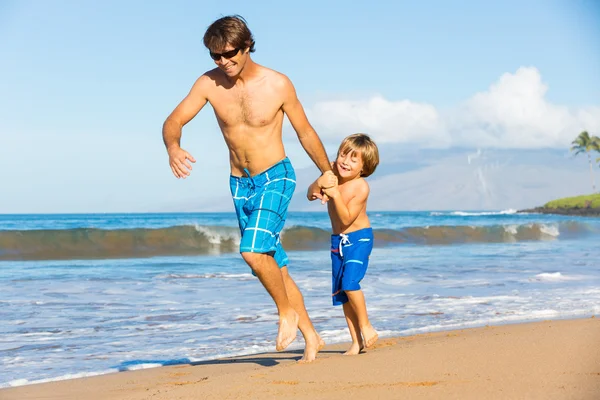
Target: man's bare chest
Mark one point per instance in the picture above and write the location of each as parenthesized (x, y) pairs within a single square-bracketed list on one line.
[(248, 107)]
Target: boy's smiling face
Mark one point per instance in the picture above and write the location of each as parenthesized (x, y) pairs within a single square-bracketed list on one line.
[(349, 166)]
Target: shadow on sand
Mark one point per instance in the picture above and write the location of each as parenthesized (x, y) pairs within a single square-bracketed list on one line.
[(262, 359)]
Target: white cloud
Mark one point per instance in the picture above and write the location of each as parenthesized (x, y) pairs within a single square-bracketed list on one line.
[(512, 113), (400, 121)]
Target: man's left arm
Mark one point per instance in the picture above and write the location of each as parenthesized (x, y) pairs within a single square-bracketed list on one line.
[(309, 139)]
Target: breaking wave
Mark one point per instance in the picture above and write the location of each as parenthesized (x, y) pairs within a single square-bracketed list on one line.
[(93, 243)]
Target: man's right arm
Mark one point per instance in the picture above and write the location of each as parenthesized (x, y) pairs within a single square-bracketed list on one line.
[(189, 107)]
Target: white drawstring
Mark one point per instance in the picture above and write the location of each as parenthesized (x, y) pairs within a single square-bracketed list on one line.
[(343, 241)]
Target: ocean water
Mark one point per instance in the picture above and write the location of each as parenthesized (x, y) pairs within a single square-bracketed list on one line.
[(83, 295)]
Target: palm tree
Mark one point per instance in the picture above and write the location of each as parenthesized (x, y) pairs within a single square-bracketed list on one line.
[(597, 140), (586, 143)]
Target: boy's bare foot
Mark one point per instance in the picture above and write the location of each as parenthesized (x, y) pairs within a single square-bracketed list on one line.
[(288, 329), (355, 349), (370, 335), (313, 346)]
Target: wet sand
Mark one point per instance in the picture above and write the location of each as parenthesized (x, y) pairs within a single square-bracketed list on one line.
[(541, 360)]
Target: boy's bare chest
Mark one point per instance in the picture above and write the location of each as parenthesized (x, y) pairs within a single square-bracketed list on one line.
[(346, 192)]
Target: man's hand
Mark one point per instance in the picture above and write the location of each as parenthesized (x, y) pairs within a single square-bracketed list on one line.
[(330, 193), (178, 160), (327, 180)]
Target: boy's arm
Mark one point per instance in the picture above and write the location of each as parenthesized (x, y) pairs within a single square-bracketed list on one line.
[(347, 212), (314, 191), (325, 181)]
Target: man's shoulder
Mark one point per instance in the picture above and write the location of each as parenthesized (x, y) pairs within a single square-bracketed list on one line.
[(276, 77), (270, 71), (211, 76), (209, 81)]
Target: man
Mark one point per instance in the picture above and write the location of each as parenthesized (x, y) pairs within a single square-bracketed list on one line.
[(249, 101)]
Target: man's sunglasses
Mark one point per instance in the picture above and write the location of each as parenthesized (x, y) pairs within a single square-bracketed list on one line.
[(228, 54)]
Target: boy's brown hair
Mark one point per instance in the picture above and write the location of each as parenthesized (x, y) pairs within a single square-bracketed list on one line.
[(363, 144), (231, 30)]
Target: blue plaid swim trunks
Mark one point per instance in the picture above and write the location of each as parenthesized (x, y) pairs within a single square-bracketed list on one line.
[(261, 204), (349, 262)]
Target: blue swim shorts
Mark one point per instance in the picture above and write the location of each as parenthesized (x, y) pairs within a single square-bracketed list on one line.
[(349, 261), (261, 204)]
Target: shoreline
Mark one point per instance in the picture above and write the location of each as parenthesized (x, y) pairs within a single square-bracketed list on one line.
[(576, 212), (545, 359), (293, 348)]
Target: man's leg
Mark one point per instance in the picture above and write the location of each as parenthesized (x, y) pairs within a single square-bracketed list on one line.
[(357, 301), (352, 320), (267, 271), (313, 341)]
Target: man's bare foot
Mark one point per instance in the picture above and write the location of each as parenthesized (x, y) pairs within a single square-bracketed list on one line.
[(370, 335), (313, 346), (288, 329), (355, 349)]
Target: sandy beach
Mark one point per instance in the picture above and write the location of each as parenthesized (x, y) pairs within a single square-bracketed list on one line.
[(540, 360)]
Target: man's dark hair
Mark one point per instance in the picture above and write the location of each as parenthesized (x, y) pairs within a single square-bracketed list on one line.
[(231, 30)]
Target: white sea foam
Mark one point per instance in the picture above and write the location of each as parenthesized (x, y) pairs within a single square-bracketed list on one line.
[(136, 367), (555, 277), (216, 235), (216, 275), (21, 382), (550, 230), (475, 214), (396, 281)]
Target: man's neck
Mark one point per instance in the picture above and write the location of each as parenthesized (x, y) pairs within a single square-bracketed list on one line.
[(249, 72)]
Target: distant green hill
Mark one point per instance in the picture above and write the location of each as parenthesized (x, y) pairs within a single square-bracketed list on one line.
[(589, 201), (585, 206)]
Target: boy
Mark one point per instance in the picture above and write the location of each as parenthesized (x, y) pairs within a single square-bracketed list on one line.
[(346, 191)]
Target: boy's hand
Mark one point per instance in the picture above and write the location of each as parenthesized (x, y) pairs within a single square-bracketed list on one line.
[(321, 196), (329, 192), (315, 196), (327, 180)]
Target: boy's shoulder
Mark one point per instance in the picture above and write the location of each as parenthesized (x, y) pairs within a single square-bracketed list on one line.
[(357, 186)]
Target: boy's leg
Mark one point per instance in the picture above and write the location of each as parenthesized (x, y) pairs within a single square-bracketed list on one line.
[(352, 320), (313, 341), (266, 269), (356, 299)]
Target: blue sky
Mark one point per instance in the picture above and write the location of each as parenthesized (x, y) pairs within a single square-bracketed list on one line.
[(86, 86)]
